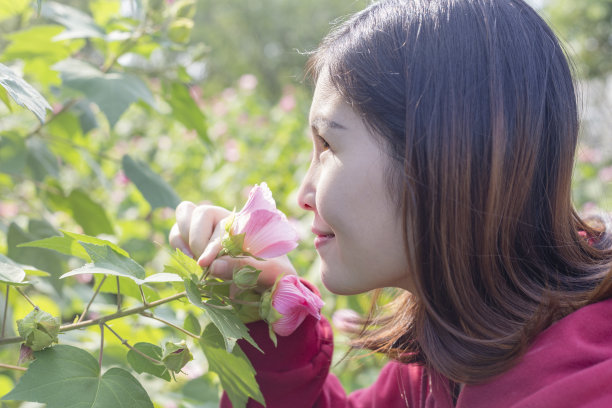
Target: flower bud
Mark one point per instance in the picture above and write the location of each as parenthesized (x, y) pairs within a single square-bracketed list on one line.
[(246, 277), (176, 355), (39, 329)]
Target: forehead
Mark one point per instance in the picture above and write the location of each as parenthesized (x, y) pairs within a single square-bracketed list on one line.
[(328, 107)]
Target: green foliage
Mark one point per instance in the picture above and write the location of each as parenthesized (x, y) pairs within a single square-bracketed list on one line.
[(64, 376), (23, 93), (141, 364), (235, 371)]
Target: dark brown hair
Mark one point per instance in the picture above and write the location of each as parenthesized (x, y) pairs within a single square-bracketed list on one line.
[(474, 101)]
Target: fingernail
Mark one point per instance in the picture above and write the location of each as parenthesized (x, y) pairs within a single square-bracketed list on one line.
[(218, 267)]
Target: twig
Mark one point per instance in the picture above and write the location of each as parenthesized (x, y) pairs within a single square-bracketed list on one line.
[(92, 299), (12, 367), (54, 116), (101, 346), (118, 295), (103, 319), (144, 299), (174, 326), (6, 297), (126, 344), (27, 298)]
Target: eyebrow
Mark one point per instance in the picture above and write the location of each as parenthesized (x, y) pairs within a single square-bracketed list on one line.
[(319, 122)]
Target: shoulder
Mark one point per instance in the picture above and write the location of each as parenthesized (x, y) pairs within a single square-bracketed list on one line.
[(569, 364)]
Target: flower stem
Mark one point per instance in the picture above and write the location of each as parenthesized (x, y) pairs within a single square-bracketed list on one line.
[(92, 299), (118, 295), (26, 297), (12, 367), (135, 350), (144, 299), (101, 346), (174, 326), (103, 319), (6, 298)]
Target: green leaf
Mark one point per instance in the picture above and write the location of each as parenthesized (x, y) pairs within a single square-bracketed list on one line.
[(41, 160), (234, 369), (77, 23), (128, 288), (144, 365), (186, 111), (108, 261), (13, 152), (66, 376), (40, 258), (13, 8), (226, 320), (192, 324), (113, 92), (89, 214), (5, 99), (23, 93), (12, 274), (184, 265), (153, 188), (64, 245), (30, 270), (69, 244)]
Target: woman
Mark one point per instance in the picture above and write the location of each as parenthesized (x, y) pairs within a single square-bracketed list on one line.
[(444, 133)]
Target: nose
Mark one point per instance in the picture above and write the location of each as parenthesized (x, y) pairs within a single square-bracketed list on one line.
[(307, 191)]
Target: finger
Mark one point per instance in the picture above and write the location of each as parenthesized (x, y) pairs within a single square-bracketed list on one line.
[(204, 220), (183, 219), (210, 252), (177, 242)]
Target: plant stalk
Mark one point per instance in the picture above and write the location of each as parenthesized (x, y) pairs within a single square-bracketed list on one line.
[(92, 299), (135, 350), (167, 323), (6, 298)]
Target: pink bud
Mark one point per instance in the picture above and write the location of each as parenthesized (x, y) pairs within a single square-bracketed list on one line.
[(267, 232), (294, 302)]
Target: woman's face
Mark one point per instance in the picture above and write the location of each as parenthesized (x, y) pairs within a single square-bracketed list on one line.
[(358, 228)]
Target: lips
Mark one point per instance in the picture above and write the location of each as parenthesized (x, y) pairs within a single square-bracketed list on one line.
[(322, 237)]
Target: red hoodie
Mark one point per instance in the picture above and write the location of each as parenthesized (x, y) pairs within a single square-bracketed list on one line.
[(568, 365)]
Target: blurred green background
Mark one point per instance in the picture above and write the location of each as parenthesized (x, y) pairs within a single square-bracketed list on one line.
[(209, 98)]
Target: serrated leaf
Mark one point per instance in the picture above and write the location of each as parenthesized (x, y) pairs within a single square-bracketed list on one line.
[(144, 365), (184, 265), (113, 92), (226, 320), (163, 277), (23, 93), (64, 245), (12, 274), (77, 23), (186, 111), (154, 189), (234, 369), (108, 261), (93, 240), (65, 376)]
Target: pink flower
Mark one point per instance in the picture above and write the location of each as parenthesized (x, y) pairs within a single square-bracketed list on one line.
[(259, 229), (294, 302)]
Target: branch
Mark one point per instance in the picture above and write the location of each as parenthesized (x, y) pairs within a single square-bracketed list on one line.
[(118, 296), (92, 299), (135, 350), (174, 326), (103, 319), (53, 116), (12, 367)]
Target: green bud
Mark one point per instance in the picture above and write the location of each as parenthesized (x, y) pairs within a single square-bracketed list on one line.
[(176, 355), (180, 30), (39, 329), (184, 8), (246, 277), (266, 310)]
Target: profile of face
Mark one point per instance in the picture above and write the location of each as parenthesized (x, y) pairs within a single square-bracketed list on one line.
[(357, 226)]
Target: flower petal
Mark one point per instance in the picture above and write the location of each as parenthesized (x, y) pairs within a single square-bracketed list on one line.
[(260, 198)]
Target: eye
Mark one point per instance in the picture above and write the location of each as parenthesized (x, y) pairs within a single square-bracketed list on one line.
[(323, 143)]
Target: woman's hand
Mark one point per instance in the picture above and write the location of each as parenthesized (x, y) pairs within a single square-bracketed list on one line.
[(198, 232)]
